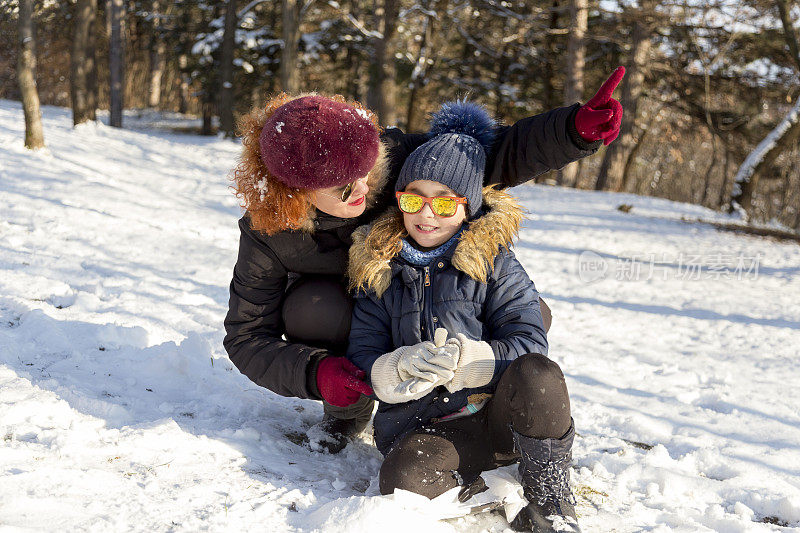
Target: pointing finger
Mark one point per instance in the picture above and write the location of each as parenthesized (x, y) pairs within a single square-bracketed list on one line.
[(604, 94)]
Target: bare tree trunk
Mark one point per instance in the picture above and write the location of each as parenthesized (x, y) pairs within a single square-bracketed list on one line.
[(116, 14), (352, 63), (789, 35), (82, 62), (91, 74), (549, 97), (713, 130), (226, 121), (290, 77), (414, 115), (573, 82), (157, 57), (381, 93), (709, 171), (183, 87), (26, 67), (724, 187), (612, 169), (502, 68), (786, 179), (432, 38), (208, 115)]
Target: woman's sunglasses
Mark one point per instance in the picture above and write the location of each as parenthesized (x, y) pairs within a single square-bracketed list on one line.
[(348, 190), (443, 206)]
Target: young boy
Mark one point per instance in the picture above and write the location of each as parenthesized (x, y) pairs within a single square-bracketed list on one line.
[(441, 267)]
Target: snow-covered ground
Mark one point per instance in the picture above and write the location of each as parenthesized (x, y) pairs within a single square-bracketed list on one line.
[(119, 409)]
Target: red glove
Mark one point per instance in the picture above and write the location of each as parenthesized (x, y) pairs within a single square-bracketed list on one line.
[(601, 116), (340, 382)]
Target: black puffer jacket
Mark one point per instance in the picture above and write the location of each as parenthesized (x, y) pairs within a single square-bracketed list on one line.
[(266, 264)]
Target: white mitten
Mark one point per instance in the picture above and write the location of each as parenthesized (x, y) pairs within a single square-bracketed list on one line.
[(432, 362), (410, 372), (393, 385), (475, 363)]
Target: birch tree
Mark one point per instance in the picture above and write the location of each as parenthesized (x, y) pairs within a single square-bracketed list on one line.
[(783, 135)]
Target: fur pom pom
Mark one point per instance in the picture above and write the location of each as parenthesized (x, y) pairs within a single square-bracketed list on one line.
[(464, 117)]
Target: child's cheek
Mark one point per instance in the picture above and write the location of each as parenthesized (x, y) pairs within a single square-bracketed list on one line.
[(408, 221)]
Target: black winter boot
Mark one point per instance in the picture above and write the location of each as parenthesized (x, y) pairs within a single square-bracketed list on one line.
[(339, 425), (332, 434), (544, 468)]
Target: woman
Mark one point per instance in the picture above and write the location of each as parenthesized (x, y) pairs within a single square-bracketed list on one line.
[(315, 168)]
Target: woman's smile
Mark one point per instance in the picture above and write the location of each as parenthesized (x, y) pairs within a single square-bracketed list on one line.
[(356, 203)]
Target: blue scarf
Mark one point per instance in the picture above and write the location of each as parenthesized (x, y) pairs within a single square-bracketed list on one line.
[(420, 258)]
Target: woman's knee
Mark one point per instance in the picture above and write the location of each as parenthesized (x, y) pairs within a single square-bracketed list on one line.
[(420, 463), (316, 311)]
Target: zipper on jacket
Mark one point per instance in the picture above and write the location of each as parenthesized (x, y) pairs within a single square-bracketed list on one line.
[(426, 283)]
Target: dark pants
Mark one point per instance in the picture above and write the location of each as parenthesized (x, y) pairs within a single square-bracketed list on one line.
[(531, 398)]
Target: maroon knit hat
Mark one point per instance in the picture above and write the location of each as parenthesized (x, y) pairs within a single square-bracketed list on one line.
[(314, 142)]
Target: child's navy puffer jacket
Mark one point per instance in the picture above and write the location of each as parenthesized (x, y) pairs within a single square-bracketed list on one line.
[(477, 288)]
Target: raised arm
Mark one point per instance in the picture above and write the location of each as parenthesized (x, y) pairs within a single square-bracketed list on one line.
[(551, 140), (520, 152), (535, 144)]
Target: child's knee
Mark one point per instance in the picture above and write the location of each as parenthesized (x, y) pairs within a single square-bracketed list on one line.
[(421, 463), (534, 369), (538, 399)]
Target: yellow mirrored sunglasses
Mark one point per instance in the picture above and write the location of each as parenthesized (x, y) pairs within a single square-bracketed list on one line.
[(443, 206)]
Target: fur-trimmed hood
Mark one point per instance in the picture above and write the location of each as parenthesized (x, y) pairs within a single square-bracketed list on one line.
[(375, 245)]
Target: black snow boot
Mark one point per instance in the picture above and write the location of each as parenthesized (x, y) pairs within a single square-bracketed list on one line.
[(338, 426), (332, 434), (544, 467)]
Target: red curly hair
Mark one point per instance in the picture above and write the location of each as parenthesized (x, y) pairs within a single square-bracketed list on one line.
[(272, 206)]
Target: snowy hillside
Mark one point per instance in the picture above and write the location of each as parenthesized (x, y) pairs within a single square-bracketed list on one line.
[(119, 409)]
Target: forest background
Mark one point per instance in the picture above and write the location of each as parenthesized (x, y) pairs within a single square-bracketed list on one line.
[(711, 93)]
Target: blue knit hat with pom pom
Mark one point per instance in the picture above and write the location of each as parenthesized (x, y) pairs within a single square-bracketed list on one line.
[(460, 136)]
